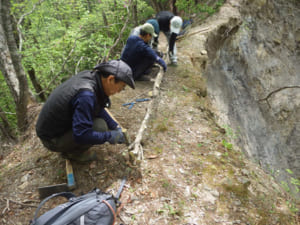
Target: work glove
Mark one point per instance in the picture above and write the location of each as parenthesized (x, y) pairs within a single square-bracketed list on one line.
[(161, 62), (117, 137), (118, 128), (160, 54)]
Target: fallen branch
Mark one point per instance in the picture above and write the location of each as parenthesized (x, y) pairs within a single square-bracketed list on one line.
[(7, 208), (277, 90), (136, 145), (192, 33)]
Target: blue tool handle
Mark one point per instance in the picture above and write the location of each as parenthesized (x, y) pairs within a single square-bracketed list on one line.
[(129, 103), (70, 175), (142, 99), (71, 180), (130, 107)]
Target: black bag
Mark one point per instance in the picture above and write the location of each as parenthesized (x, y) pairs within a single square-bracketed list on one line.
[(93, 208)]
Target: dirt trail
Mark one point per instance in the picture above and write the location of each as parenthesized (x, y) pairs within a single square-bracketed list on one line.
[(190, 174)]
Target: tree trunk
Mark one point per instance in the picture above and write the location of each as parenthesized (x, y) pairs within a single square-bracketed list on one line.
[(104, 19), (174, 8), (135, 13), (155, 5), (11, 67), (37, 87), (160, 6), (5, 128)]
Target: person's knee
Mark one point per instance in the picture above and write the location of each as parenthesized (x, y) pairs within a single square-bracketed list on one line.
[(100, 125)]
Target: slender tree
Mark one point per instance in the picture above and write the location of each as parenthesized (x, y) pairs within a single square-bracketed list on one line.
[(11, 67)]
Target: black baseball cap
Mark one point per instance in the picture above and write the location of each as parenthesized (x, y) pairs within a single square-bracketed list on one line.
[(119, 69)]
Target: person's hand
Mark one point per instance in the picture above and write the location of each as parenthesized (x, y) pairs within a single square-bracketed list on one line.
[(161, 62), (118, 128), (117, 137)]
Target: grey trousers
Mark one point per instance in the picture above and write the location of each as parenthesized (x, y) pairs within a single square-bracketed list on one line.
[(66, 142)]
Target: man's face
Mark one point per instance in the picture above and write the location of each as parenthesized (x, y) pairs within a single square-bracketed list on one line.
[(149, 37), (111, 86)]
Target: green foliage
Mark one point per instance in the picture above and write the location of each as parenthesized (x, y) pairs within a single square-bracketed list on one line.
[(190, 7), (65, 37), (62, 37), (227, 145), (7, 104)]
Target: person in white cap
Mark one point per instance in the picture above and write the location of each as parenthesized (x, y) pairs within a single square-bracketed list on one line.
[(140, 56), (73, 118), (170, 25)]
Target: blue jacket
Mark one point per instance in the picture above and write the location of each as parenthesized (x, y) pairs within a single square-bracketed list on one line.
[(137, 53)]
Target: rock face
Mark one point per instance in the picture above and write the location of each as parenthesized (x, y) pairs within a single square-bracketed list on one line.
[(253, 78)]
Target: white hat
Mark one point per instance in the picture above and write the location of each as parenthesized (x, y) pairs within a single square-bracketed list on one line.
[(176, 23)]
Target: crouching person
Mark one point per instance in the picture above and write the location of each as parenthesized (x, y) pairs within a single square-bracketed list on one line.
[(74, 117), (140, 56)]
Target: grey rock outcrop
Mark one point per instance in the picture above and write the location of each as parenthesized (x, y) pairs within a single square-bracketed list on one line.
[(253, 79)]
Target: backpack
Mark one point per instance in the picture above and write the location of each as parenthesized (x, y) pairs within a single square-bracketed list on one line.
[(93, 208)]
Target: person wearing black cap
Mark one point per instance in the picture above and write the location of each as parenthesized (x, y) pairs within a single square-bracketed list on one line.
[(140, 56), (74, 117)]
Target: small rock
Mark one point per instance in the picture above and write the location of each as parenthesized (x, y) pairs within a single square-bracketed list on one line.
[(25, 178), (203, 52)]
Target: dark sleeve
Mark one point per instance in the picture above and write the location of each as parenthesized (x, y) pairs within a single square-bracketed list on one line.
[(148, 51), (112, 125), (83, 107), (172, 42)]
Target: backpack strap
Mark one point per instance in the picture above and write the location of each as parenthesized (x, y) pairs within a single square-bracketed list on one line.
[(111, 209), (67, 195)]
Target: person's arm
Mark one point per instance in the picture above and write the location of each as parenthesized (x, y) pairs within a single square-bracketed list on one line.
[(83, 107), (152, 54), (148, 51), (112, 125)]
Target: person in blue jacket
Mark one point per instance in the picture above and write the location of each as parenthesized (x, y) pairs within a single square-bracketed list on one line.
[(74, 117), (140, 56), (154, 40)]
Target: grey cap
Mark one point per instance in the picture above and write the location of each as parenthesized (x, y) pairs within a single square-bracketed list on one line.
[(119, 69)]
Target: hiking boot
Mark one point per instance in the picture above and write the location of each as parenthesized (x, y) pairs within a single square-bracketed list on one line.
[(174, 64), (144, 77), (82, 157)]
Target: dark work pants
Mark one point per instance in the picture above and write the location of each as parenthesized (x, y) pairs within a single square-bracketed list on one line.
[(142, 68), (66, 142)]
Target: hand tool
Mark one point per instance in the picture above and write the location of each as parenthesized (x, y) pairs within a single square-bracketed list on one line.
[(131, 104), (70, 175), (46, 191), (142, 99)]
